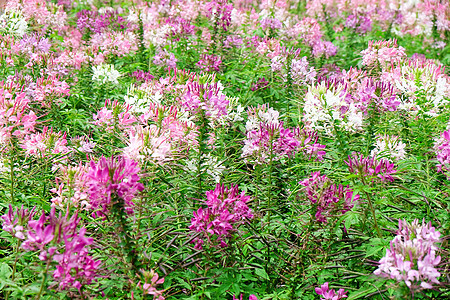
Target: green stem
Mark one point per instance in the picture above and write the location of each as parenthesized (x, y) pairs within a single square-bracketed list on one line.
[(12, 178), (44, 279), (373, 210), (128, 246)]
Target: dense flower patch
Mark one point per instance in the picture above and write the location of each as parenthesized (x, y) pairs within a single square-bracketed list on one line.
[(224, 149)]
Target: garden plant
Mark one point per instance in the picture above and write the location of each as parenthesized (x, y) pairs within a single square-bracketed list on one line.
[(214, 149)]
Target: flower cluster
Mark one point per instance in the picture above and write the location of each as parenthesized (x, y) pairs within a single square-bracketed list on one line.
[(110, 178), (412, 257), (290, 66), (442, 149), (13, 22), (114, 115), (165, 59), (325, 293), (226, 210), (328, 107), (16, 117), (206, 97), (360, 24), (267, 139), (209, 63), (381, 54), (220, 12), (326, 197), (309, 30), (72, 188), (45, 143), (105, 73), (371, 167), (15, 220), (140, 75), (58, 241), (389, 146), (96, 22), (423, 84)]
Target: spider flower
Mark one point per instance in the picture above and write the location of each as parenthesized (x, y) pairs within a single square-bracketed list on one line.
[(326, 293), (111, 176), (412, 257), (226, 210), (327, 197)]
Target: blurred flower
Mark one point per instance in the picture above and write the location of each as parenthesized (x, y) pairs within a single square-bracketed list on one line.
[(105, 73), (389, 146), (166, 59), (209, 62), (442, 149), (328, 294), (13, 22)]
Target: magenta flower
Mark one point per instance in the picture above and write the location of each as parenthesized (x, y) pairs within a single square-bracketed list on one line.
[(206, 97), (251, 297), (140, 75), (181, 28), (226, 211), (371, 167), (220, 11), (268, 139), (326, 293), (39, 235), (327, 197), (60, 242), (111, 176)]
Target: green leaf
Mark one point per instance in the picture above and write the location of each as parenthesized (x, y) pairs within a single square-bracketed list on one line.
[(262, 273)]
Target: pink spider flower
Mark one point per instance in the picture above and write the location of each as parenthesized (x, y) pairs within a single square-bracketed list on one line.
[(149, 287), (268, 139), (226, 210), (412, 257), (326, 197), (328, 294), (45, 143), (114, 114), (371, 167), (59, 240), (16, 118), (442, 149), (206, 97), (111, 176), (209, 63), (71, 186), (165, 59), (47, 89), (381, 54), (220, 10), (15, 220)]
